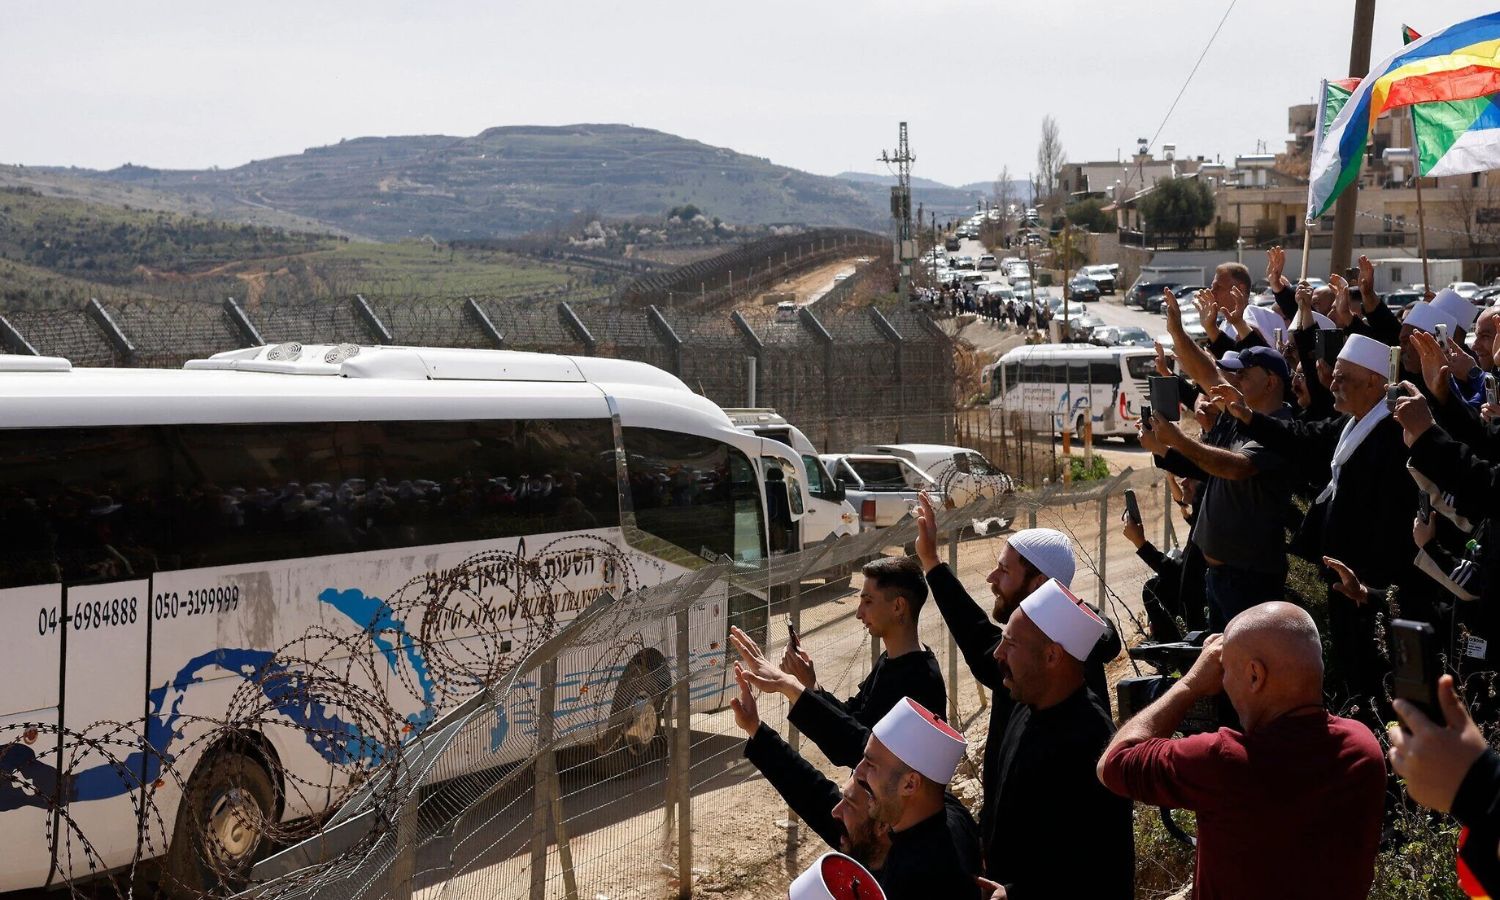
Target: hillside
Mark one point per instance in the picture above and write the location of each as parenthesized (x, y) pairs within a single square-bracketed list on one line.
[(508, 181), (57, 251)]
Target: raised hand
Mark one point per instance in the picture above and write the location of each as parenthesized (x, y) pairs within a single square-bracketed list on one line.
[(1304, 299), (927, 552), (1275, 266), (1413, 414), (796, 663), (1232, 401), (1239, 302), (1367, 295), (1433, 757), (1135, 532), (1174, 312), (1208, 314), (761, 672), (1162, 368), (746, 709), (1343, 309), (1435, 368), (1148, 439), (1349, 585)]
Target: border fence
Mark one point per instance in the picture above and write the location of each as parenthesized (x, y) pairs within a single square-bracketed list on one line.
[(845, 376), (691, 818)]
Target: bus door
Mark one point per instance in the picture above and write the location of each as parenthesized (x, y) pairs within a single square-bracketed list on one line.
[(31, 646), (105, 759), (784, 508)]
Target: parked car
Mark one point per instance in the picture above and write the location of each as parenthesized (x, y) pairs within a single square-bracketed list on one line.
[(1082, 288), (1399, 300), (1157, 301), (1102, 276), (1464, 289), (1145, 290), (1485, 296), (1120, 336), (882, 488), (962, 474)]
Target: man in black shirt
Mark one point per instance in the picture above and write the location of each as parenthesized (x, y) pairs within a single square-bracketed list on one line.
[(890, 602), (916, 838)]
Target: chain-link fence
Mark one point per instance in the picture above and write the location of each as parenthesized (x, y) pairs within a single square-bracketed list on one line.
[(673, 808)]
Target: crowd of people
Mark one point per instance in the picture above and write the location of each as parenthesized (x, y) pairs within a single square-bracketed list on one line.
[(1331, 429), (1006, 312)]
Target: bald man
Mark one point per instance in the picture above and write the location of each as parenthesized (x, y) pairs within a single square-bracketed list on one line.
[(1289, 807)]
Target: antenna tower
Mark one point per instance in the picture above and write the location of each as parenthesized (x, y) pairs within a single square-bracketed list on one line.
[(906, 245)]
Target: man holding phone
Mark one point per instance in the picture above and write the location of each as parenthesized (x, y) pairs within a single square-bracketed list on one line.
[(1247, 487)]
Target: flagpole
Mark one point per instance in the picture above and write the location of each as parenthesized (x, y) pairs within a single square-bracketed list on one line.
[(1306, 248), (1416, 167)]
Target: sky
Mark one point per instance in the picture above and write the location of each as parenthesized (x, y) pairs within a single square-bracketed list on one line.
[(816, 85)]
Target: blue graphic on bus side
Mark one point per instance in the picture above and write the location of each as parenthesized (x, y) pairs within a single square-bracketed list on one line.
[(27, 781)]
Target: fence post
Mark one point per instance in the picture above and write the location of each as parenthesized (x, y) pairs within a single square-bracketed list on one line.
[(1103, 547), (574, 324), (481, 319), (541, 784), (820, 334), (884, 326), (952, 641), (668, 336), (754, 344), (366, 314), (242, 323), (14, 341), (117, 338), (682, 751)]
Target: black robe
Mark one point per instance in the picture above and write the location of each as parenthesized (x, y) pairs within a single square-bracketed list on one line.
[(841, 728), (1366, 525), (977, 637), (1052, 829), (937, 857)]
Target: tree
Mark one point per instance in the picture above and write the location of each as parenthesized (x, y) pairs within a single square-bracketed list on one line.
[(1049, 158), (1178, 207), (1091, 215)]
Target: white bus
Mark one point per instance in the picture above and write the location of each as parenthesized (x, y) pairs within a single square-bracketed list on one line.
[(244, 581), (1058, 387)]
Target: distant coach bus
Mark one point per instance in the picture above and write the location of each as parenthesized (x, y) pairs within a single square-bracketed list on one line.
[(215, 580), (1059, 387)]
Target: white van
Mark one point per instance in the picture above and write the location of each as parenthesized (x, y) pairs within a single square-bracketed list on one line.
[(1058, 387), (826, 514)]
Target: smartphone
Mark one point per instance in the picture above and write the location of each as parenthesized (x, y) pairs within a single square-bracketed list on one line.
[(791, 635), (1132, 507), (1351, 275), (1414, 653), (1393, 390), (1165, 397), (1442, 335), (1277, 348), (1424, 507), (1329, 344), (1491, 389), (1146, 416)]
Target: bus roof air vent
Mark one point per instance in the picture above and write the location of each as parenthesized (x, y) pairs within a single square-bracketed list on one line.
[(341, 352), (284, 352)]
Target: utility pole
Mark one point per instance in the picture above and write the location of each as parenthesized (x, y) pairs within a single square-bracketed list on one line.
[(1344, 212), (906, 245)]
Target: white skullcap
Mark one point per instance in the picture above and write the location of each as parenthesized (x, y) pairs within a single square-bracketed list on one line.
[(1452, 303), (1426, 317), (921, 740), (1266, 321), (1048, 549), (834, 876), (1063, 618), (1367, 353)]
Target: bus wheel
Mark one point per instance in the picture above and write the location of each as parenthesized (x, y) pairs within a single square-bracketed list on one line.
[(221, 827), (636, 733)]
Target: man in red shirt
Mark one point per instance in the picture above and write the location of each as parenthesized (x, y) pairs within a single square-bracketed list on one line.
[(1291, 806)]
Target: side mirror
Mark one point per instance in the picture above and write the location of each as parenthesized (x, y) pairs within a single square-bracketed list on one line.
[(837, 492)]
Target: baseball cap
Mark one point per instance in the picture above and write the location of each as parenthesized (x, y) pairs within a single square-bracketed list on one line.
[(1261, 357)]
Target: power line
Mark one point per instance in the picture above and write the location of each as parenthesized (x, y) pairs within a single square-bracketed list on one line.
[(1190, 75)]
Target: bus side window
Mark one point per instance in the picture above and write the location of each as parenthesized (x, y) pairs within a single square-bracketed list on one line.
[(696, 493)]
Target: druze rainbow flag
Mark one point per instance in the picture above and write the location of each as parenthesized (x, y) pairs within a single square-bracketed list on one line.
[(1459, 64)]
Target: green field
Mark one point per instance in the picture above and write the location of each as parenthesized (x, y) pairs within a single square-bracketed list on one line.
[(58, 252)]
